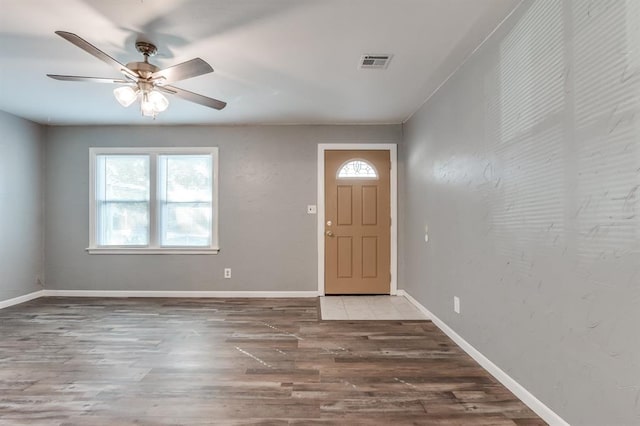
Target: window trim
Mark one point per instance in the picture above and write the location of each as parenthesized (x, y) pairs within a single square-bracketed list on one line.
[(154, 246)]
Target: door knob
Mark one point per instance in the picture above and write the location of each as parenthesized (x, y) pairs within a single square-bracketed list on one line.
[(329, 233)]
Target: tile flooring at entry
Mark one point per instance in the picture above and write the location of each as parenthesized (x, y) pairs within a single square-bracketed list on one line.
[(368, 308), (91, 361)]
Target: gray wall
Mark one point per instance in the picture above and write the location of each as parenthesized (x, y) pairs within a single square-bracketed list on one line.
[(267, 179), (526, 167), (21, 231)]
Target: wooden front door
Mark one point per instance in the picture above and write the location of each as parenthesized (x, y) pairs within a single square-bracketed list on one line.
[(357, 222)]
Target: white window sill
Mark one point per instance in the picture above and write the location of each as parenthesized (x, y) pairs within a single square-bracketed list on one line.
[(145, 250)]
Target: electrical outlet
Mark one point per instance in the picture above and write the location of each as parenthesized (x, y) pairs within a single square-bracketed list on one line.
[(456, 304), (227, 272)]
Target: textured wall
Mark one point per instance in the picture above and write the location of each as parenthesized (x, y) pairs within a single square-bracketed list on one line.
[(21, 234), (267, 178), (526, 167)]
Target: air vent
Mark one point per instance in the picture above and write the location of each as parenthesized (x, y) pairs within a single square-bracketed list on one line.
[(374, 62)]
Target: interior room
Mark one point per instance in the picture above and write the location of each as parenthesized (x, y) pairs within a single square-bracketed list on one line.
[(294, 212)]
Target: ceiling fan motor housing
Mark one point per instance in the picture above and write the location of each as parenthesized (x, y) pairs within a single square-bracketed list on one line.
[(144, 69)]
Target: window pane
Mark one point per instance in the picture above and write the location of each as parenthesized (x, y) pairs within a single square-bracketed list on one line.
[(127, 177), (124, 223), (186, 192), (357, 169), (187, 224), (122, 196), (188, 177)]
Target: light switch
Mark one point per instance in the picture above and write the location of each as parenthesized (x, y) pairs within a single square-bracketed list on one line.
[(312, 209)]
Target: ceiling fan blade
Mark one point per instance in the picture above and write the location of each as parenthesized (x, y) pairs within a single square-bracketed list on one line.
[(193, 97), (182, 71), (91, 49), (88, 79)]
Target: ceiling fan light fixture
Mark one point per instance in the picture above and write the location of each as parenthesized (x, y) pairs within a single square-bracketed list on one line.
[(146, 107), (152, 103), (125, 95), (158, 100)]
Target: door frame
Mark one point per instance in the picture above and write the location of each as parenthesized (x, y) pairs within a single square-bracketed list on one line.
[(393, 154)]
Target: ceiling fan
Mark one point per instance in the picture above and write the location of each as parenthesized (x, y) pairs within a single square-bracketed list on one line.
[(143, 80)]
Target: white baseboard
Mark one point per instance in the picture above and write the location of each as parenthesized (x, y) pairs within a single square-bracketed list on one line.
[(195, 294), (21, 299), (518, 390)]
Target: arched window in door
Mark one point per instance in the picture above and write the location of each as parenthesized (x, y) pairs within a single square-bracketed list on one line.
[(357, 169)]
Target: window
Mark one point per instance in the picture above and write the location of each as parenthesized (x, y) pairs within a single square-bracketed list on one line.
[(122, 200), (358, 169), (154, 200)]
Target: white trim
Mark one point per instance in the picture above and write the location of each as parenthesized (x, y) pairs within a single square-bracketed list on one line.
[(21, 299), (393, 153), (518, 390), (177, 294), (415, 303), (129, 250)]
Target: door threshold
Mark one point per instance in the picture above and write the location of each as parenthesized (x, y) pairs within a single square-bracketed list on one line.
[(368, 308)]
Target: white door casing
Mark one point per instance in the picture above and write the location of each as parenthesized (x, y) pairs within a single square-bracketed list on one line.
[(392, 148)]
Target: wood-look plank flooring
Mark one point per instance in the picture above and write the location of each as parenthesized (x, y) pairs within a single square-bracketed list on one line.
[(79, 361)]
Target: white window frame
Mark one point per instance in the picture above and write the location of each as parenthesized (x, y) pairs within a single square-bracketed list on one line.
[(154, 246)]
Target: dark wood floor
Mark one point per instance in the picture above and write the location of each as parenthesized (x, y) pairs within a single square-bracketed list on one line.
[(72, 361)]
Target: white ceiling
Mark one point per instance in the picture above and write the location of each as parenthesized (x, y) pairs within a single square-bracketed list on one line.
[(275, 61)]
